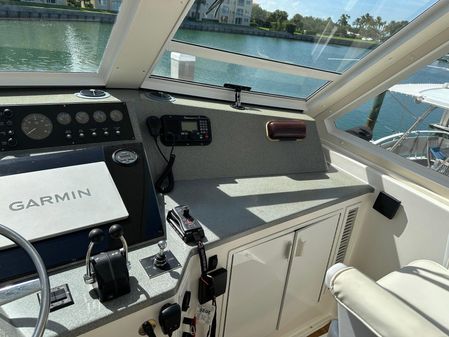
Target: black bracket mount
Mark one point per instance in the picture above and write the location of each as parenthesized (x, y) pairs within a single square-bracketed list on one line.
[(238, 90)]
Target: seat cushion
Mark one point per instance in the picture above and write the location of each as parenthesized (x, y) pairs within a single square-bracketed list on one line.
[(378, 309), (424, 286)]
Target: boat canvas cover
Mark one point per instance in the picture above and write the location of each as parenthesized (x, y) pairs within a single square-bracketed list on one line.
[(47, 203), (431, 93)]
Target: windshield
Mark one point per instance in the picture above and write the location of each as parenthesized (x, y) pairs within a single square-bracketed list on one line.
[(329, 36), (55, 35)]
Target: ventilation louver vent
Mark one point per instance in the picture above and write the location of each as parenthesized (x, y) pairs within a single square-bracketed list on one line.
[(346, 236)]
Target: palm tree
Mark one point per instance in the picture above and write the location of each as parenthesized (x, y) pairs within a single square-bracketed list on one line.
[(367, 20), (343, 21), (358, 24), (343, 24)]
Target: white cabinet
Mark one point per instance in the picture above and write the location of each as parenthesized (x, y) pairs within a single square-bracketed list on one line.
[(257, 285), (278, 281), (308, 265)]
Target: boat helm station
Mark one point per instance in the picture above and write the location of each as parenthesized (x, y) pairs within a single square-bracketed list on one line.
[(224, 168)]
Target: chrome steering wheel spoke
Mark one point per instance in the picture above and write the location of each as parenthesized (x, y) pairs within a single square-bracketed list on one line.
[(16, 291), (42, 284)]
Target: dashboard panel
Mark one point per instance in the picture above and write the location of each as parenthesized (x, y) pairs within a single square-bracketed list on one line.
[(41, 126)]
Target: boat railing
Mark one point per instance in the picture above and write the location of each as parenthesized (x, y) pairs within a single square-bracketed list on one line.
[(413, 126), (417, 145)]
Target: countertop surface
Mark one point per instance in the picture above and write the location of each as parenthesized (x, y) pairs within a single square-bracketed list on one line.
[(227, 208)]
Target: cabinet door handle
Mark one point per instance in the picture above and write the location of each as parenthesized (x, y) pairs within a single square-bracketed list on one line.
[(299, 247), (288, 250)]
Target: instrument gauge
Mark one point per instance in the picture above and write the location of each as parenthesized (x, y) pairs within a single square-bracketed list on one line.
[(82, 117), (36, 126), (100, 116), (64, 118), (116, 115)]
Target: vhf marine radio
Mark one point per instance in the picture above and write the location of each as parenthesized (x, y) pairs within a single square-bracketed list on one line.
[(185, 130)]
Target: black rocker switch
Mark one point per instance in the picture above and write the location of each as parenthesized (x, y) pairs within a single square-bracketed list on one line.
[(170, 318), (60, 297)]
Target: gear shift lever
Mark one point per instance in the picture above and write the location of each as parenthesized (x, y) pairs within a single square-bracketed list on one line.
[(96, 235), (108, 271), (116, 232)]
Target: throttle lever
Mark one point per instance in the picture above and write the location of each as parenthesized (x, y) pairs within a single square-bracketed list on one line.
[(116, 232)]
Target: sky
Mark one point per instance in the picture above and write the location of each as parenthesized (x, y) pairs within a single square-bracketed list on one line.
[(387, 9)]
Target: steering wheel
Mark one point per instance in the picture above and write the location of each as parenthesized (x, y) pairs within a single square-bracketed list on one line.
[(14, 292)]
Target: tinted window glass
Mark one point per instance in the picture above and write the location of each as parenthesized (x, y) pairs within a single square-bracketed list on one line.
[(60, 36)]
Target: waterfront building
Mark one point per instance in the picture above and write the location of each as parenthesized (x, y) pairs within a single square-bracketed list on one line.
[(50, 2), (109, 5), (236, 12)]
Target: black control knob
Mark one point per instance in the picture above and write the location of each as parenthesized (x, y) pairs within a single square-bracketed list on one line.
[(116, 231), (12, 142), (96, 235), (8, 113)]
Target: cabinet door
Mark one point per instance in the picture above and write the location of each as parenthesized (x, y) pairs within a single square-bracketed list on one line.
[(310, 256), (256, 288)]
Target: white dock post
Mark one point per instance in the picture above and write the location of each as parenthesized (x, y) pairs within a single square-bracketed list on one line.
[(182, 66)]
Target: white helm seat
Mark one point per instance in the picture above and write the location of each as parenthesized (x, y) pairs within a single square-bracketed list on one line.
[(413, 301)]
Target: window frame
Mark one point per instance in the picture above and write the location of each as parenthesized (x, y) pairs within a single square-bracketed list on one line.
[(222, 94)]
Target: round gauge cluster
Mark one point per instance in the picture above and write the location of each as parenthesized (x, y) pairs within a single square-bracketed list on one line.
[(82, 117), (49, 125), (27, 127)]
